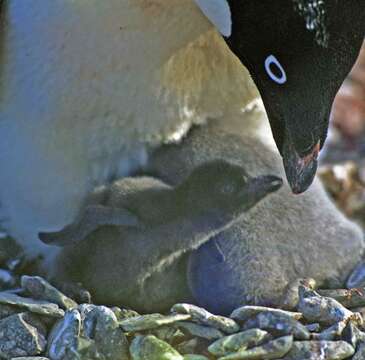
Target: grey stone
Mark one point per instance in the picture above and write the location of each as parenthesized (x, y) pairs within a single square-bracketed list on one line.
[(30, 358), (360, 352), (290, 297), (321, 309), (314, 350), (315, 327), (63, 338), (123, 314), (7, 279), (237, 342), (7, 310), (278, 325), (19, 338), (334, 332), (36, 306), (349, 298), (244, 313), (151, 348), (352, 334), (204, 317), (101, 326), (150, 321), (38, 288), (170, 334), (193, 346), (201, 331), (88, 332), (272, 350)]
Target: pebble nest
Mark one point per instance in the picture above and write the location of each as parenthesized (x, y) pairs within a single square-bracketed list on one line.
[(39, 321)]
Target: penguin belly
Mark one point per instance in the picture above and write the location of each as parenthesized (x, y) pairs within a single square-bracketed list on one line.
[(87, 88)]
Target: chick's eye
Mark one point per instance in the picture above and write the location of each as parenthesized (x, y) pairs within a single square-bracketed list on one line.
[(228, 188)]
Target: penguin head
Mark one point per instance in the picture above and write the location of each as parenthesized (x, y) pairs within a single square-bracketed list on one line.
[(219, 184), (298, 53)]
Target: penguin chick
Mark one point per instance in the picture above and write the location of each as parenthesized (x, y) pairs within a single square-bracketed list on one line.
[(129, 265), (283, 238)]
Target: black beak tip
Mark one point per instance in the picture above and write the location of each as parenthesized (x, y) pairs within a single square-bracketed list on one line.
[(301, 180), (300, 170)]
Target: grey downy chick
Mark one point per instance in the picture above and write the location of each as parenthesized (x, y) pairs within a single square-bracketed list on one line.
[(283, 238), (132, 202), (127, 260)]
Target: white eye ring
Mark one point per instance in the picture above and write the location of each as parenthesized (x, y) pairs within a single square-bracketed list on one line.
[(272, 60)]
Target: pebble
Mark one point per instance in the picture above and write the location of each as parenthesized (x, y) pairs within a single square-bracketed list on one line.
[(315, 350), (325, 310), (278, 324), (334, 332), (352, 334), (315, 327), (91, 332), (7, 280), (170, 334), (246, 312), (151, 321), (349, 298), (272, 350), (20, 338), (88, 332), (201, 331), (101, 326), (63, 338), (7, 310), (290, 298), (39, 288), (204, 317), (30, 358), (151, 348), (239, 341), (193, 346), (357, 277), (123, 314), (360, 352), (36, 306)]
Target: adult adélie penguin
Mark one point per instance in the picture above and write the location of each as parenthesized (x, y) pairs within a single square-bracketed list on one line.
[(298, 53), (88, 88)]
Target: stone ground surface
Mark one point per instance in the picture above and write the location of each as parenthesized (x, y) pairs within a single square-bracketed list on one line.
[(37, 321)]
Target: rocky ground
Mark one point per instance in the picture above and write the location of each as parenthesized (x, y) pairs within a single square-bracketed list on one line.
[(38, 321)]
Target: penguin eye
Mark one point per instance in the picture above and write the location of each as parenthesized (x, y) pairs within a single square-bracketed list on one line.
[(271, 64), (228, 188)]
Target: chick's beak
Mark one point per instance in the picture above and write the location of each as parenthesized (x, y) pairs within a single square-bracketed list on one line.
[(259, 187), (300, 170)]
